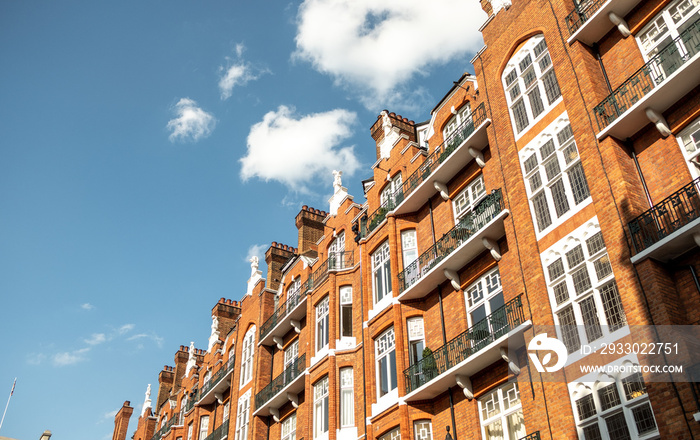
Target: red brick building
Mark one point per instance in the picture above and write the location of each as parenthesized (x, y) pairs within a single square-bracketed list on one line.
[(555, 191)]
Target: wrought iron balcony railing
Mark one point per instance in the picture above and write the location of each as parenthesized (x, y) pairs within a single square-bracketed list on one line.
[(293, 371), (219, 433), (666, 217), (652, 74), (281, 312), (335, 261), (220, 375), (532, 436), (470, 224), (442, 152), (476, 338), (581, 13), (165, 428), (192, 400)]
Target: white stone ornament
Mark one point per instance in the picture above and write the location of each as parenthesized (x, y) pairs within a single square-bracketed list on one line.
[(147, 400), (214, 332)]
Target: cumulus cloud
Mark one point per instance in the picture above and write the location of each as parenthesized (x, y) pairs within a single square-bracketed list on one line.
[(191, 122), (237, 72), (257, 250), (376, 47), (296, 149), (152, 336), (70, 357), (87, 306), (125, 328)]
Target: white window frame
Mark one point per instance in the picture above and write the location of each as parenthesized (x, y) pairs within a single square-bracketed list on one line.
[(394, 434), (203, 427), (416, 339), (347, 398), (381, 265), (632, 398), (291, 353), (247, 357), (409, 247), (190, 430), (243, 416), (385, 354), (336, 252), (227, 410), (289, 428), (515, 82), (322, 324), (422, 430), (689, 141), (464, 202), (320, 428), (662, 29), (386, 196), (580, 281), (459, 117), (482, 292), (498, 406), (554, 177), (345, 295)]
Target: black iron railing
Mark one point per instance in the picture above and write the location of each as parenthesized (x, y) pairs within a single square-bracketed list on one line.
[(470, 224), (293, 299), (293, 371), (532, 436), (668, 60), (442, 152), (476, 338), (193, 398), (666, 217), (581, 13), (220, 375), (335, 261), (219, 433), (165, 428)]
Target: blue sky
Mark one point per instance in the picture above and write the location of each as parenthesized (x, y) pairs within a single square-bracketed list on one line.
[(148, 148)]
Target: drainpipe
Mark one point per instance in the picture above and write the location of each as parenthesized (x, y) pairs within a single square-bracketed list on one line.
[(362, 334), (596, 49), (629, 144)]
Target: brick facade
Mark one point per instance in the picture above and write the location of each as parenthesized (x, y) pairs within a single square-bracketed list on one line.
[(484, 278)]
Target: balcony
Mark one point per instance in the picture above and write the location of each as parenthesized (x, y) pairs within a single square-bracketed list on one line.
[(218, 383), (287, 315), (166, 428), (667, 230), (668, 76), (219, 433), (460, 148), (336, 261), (282, 389), (191, 400), (590, 20), (532, 436), (480, 346), (474, 233)]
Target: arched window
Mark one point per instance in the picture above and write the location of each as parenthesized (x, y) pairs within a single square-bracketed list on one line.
[(530, 83), (247, 356)]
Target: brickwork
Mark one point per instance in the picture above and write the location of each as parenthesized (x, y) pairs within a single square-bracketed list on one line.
[(618, 174)]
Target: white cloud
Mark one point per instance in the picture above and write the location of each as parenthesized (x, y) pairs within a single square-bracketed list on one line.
[(375, 47), (237, 72), (87, 306), (192, 123), (125, 328), (297, 149), (70, 357), (152, 336), (257, 250), (96, 338)]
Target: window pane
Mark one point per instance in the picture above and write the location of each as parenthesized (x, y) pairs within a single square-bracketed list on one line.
[(561, 293), (590, 319), (535, 102), (547, 149), (595, 243), (582, 282), (561, 204), (574, 256), (585, 407), (633, 386), (551, 86), (555, 269), (612, 306), (592, 432), (608, 396), (346, 318), (617, 427), (520, 115), (579, 185), (568, 329), (542, 216), (644, 419)]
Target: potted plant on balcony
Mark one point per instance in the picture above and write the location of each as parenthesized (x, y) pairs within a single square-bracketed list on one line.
[(429, 365)]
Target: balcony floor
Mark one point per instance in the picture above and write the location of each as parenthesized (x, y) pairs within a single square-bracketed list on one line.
[(595, 28), (295, 387), (466, 252), (660, 98), (459, 158), (471, 365), (672, 246), (284, 325)]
